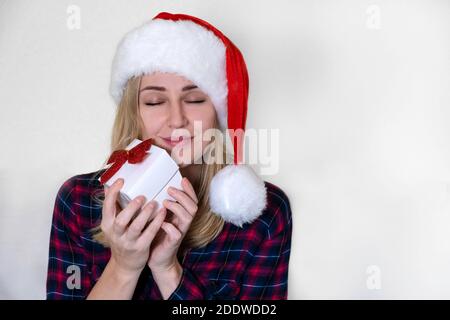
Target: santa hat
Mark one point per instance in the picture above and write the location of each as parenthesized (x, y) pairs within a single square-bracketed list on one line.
[(195, 49)]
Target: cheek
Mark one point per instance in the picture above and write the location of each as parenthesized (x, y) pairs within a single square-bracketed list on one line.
[(152, 120), (206, 114)]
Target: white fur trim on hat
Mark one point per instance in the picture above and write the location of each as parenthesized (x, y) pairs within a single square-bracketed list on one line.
[(237, 194), (181, 47)]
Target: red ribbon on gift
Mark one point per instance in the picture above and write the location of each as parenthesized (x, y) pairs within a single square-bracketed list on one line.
[(119, 157)]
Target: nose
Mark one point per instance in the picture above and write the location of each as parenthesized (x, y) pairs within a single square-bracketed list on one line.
[(176, 117)]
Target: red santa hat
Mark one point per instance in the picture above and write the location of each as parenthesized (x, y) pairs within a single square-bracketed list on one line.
[(193, 48)]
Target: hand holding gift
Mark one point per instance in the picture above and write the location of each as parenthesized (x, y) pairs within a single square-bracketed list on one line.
[(128, 238), (145, 169)]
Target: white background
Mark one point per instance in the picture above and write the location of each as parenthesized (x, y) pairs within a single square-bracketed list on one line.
[(358, 89)]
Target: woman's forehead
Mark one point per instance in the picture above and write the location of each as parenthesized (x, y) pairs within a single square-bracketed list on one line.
[(165, 79)]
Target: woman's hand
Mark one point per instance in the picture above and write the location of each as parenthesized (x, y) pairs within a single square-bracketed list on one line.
[(129, 238), (163, 255)]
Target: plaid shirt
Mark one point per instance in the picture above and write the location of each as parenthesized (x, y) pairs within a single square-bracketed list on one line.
[(240, 263)]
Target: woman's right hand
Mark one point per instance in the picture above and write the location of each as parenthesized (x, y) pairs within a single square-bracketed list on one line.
[(129, 239)]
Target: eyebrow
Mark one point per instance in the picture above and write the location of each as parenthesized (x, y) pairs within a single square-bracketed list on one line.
[(186, 88)]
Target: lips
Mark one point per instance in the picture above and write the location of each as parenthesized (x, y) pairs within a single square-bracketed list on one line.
[(174, 141)]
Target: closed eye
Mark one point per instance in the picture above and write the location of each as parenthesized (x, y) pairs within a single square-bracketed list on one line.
[(196, 101), (158, 103)]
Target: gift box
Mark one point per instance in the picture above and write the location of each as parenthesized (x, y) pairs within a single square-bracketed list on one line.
[(146, 169)]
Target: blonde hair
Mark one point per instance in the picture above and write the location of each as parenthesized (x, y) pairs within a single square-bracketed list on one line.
[(127, 126)]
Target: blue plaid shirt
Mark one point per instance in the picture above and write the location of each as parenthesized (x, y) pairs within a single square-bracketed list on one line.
[(240, 263)]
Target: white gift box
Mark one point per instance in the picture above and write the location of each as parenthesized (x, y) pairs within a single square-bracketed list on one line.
[(151, 177)]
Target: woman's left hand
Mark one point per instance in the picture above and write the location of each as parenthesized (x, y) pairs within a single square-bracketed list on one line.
[(163, 254)]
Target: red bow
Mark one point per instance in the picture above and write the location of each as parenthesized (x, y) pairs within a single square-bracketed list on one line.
[(119, 157)]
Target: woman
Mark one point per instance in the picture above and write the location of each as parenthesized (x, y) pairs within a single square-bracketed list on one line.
[(227, 235)]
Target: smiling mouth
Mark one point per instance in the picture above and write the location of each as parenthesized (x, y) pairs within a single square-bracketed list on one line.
[(173, 142)]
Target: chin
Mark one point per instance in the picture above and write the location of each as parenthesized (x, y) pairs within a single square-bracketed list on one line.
[(183, 165)]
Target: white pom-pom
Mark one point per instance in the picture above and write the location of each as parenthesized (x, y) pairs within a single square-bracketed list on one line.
[(237, 194)]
